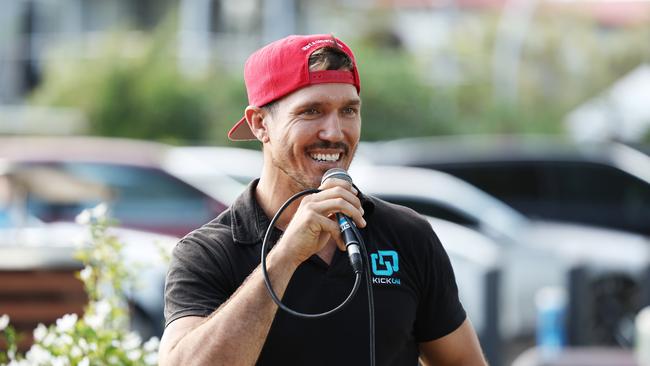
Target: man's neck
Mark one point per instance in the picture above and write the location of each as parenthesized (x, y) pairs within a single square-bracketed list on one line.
[(271, 194)]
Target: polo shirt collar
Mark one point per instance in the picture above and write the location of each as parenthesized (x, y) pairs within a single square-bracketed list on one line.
[(249, 222)]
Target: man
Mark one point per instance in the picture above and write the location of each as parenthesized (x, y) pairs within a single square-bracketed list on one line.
[(304, 107)]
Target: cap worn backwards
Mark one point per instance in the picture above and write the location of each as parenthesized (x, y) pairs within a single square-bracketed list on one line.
[(282, 67)]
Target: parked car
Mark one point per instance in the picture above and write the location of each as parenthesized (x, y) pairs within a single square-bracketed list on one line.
[(241, 164), (603, 184), (535, 253), (139, 179), (222, 172)]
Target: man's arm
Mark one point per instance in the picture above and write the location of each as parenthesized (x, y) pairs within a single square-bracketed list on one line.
[(458, 348), (235, 333)]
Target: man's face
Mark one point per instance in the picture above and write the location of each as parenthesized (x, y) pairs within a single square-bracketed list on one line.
[(314, 129)]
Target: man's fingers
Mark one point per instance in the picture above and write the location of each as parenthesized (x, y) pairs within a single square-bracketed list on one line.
[(332, 227), (334, 205), (337, 182), (337, 192)]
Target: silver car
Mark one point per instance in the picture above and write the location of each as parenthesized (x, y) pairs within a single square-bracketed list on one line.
[(535, 254)]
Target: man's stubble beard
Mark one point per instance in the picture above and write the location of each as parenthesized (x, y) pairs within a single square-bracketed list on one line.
[(301, 180)]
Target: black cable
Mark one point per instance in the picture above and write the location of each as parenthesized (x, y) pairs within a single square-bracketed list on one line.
[(355, 288), (371, 297), (267, 282)]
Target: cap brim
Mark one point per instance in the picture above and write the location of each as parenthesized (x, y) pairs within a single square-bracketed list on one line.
[(241, 131)]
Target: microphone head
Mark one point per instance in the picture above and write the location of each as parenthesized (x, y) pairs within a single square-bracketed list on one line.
[(337, 173)]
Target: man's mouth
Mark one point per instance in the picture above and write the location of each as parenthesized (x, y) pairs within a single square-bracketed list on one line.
[(325, 157)]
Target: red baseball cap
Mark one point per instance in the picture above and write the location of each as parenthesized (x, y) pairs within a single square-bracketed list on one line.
[(282, 67)]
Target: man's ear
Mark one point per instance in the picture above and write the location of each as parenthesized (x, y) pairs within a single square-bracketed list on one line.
[(255, 117)]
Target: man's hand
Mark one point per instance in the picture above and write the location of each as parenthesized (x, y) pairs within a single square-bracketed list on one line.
[(314, 222)]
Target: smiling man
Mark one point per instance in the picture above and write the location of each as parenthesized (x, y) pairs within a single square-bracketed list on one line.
[(305, 109)]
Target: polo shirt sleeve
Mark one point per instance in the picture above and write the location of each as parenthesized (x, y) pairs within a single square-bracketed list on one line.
[(196, 283), (440, 311)]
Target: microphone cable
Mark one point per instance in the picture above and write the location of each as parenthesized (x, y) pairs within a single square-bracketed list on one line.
[(348, 299)]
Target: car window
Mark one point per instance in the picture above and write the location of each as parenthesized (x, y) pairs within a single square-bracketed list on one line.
[(433, 209), (599, 194), (142, 197), (588, 182), (510, 181), (582, 192)]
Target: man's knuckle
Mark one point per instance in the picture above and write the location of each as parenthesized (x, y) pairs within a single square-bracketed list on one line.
[(339, 190)]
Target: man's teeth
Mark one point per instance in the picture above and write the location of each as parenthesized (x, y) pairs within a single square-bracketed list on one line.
[(325, 157)]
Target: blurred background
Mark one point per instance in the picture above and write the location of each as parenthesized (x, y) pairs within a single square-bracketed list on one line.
[(521, 128)]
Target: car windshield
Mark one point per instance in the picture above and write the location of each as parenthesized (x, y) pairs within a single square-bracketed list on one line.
[(442, 195), (487, 210)]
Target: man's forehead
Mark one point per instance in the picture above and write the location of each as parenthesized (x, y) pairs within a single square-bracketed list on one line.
[(323, 94)]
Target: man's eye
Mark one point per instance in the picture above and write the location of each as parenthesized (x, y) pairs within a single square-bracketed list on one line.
[(349, 111), (310, 111)]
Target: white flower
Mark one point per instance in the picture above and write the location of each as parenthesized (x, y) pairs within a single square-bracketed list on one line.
[(40, 332), (103, 308), (38, 355), (83, 218), (113, 360), (4, 322), (151, 358), (60, 361), (83, 344), (18, 363), (86, 273), (75, 352), (100, 210), (93, 321), (22, 362), (84, 362), (49, 339), (134, 354), (131, 341), (152, 344), (66, 323)]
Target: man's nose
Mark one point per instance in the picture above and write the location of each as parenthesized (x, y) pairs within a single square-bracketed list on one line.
[(331, 128)]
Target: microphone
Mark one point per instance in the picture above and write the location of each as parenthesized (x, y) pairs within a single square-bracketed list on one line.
[(346, 224)]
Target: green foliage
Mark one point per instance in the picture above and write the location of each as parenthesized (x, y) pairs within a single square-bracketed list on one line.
[(101, 336), (142, 96), (565, 60), (396, 102), (133, 87)]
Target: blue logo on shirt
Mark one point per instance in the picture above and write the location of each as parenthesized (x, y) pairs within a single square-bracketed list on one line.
[(384, 262)]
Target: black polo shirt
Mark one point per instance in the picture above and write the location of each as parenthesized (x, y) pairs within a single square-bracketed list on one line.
[(415, 293)]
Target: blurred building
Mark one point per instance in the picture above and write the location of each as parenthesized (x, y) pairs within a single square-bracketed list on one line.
[(228, 30), (30, 29), (618, 113)]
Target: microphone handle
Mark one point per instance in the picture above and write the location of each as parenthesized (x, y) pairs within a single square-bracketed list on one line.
[(351, 242)]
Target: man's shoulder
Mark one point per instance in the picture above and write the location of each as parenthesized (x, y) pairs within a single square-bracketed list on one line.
[(397, 215), (214, 235)]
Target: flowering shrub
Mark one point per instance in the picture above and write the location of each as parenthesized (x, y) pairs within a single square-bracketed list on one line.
[(102, 335)]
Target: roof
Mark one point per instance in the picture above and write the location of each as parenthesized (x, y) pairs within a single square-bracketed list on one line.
[(450, 150), (456, 149), (620, 112)]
